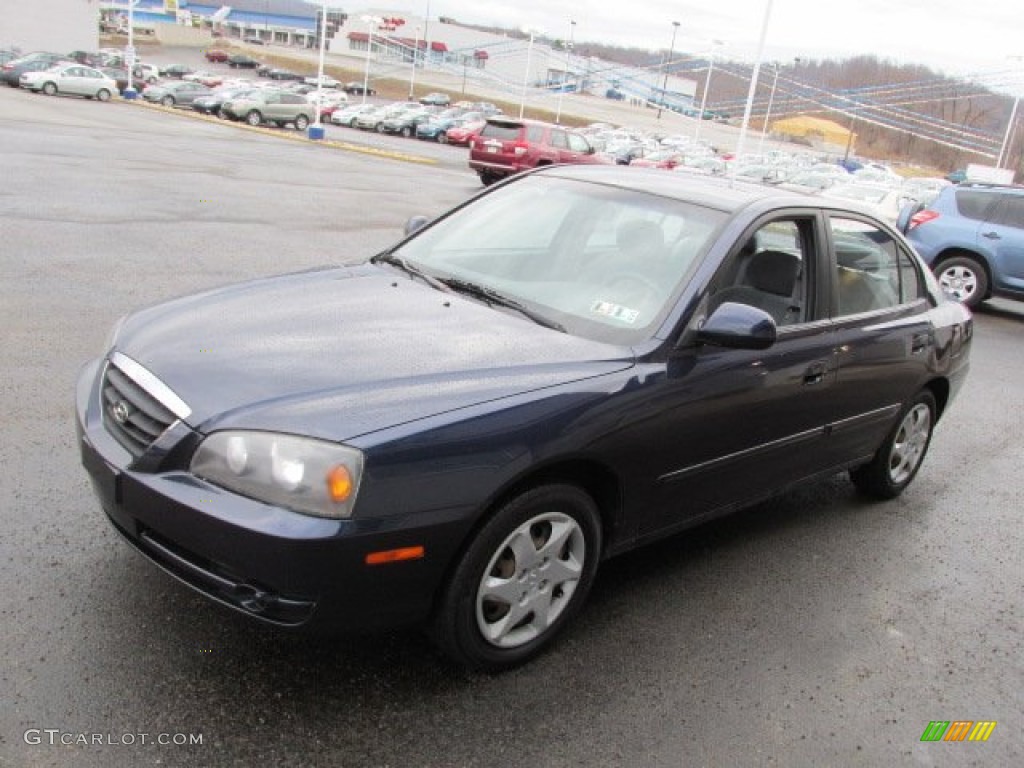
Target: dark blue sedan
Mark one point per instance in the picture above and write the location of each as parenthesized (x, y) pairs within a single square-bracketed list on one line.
[(457, 432)]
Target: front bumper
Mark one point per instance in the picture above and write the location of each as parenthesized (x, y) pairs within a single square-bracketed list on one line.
[(270, 563)]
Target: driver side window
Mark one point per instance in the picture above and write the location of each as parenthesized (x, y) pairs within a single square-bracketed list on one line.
[(770, 270)]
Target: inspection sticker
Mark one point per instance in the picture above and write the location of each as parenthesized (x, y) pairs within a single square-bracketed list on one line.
[(615, 311)]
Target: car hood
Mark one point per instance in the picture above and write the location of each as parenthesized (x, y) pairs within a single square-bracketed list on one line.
[(340, 352)]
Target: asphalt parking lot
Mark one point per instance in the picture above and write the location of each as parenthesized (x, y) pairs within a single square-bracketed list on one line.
[(816, 629)]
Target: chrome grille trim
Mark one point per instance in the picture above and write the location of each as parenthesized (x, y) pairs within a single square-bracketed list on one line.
[(134, 407), (163, 394)]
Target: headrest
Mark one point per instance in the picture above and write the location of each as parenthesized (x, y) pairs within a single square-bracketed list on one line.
[(640, 237), (773, 272)]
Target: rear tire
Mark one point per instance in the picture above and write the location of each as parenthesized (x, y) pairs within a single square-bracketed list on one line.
[(902, 452), (301, 122), (521, 580), (442, 137), (963, 279)]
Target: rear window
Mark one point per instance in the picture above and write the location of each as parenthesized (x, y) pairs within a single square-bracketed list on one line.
[(503, 131), (975, 203), (1011, 212)]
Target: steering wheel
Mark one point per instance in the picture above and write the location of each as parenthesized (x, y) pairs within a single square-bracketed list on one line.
[(632, 286)]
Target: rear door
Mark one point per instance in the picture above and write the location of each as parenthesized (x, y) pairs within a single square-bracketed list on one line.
[(74, 80), (883, 334), (1004, 234)]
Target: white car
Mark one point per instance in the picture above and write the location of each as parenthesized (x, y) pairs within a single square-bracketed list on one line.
[(326, 82), (347, 115), (73, 79), (328, 98), (147, 72), (884, 201)]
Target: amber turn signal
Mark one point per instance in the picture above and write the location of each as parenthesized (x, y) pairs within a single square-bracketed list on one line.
[(339, 483), (395, 555)]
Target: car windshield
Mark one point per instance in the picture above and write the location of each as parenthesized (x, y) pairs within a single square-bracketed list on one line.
[(601, 262)]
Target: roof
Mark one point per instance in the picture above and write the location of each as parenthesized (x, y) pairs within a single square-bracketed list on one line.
[(720, 193), (301, 8), (802, 125)]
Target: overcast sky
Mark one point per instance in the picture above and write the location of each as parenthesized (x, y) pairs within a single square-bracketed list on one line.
[(957, 37)]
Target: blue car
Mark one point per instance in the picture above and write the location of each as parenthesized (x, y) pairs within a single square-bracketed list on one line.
[(457, 432), (972, 236), (437, 129)]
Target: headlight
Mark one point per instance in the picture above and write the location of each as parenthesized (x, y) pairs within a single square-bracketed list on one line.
[(314, 477)]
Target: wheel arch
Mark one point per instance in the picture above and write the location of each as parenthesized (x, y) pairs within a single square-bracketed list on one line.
[(594, 478), (940, 390)]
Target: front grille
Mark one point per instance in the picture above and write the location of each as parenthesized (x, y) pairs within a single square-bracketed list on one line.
[(130, 413)]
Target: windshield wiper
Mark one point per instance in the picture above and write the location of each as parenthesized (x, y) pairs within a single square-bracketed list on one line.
[(492, 297), (390, 258)]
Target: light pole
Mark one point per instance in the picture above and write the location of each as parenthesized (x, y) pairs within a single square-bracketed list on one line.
[(1003, 153), (741, 141), (565, 80), (526, 75), (371, 23), (415, 52), (771, 101), (664, 66), (129, 53), (316, 131), (426, 37), (1009, 125), (707, 86)]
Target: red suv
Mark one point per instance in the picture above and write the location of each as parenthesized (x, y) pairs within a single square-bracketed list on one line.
[(509, 145)]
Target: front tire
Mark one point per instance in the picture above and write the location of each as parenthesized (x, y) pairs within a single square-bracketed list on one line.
[(902, 453), (963, 279), (254, 118), (103, 95), (167, 101), (521, 580), (50, 89)]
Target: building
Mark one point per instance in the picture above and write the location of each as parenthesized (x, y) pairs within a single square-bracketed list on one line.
[(390, 43), (500, 62), (279, 22), (814, 131), (60, 26)]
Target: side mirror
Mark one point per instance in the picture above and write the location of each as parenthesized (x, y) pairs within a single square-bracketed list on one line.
[(738, 326), (415, 223)]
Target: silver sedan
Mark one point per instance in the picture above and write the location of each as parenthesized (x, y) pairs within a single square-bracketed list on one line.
[(73, 79)]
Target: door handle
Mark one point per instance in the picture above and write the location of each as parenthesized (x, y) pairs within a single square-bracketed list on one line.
[(815, 374), (991, 235)]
